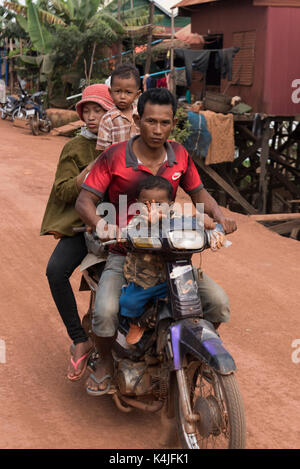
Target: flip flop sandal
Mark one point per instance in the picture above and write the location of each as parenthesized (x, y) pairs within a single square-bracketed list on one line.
[(84, 357), (99, 381)]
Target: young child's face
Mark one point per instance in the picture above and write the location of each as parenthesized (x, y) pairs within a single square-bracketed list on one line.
[(92, 114), (155, 195), (123, 92)]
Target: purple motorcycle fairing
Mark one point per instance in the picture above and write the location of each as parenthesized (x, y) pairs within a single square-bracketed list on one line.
[(199, 339)]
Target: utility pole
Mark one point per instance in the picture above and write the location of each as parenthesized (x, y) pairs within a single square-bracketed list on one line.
[(148, 61)]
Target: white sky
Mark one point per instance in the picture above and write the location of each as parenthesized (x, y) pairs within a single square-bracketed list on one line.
[(167, 4)]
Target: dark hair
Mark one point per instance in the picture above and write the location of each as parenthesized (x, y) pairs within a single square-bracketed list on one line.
[(126, 71), (156, 182), (156, 96)]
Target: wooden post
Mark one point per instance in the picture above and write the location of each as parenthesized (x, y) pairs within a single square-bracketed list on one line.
[(148, 61), (172, 74), (11, 68), (263, 181), (119, 42)]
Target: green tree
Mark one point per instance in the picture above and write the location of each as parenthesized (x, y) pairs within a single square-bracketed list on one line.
[(65, 34)]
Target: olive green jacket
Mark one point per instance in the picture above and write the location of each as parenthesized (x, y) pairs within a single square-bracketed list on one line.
[(60, 215)]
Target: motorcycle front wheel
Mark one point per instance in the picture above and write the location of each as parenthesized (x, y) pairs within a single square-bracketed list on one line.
[(217, 401), (19, 113), (34, 123), (47, 125)]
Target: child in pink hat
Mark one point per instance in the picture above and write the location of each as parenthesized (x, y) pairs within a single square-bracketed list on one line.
[(76, 159)]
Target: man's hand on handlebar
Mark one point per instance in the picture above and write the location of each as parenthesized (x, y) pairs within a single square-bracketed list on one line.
[(106, 231), (229, 225)]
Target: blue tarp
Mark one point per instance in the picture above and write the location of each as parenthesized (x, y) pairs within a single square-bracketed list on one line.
[(199, 140)]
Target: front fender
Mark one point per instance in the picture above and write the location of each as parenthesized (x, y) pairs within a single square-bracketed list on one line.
[(198, 338)]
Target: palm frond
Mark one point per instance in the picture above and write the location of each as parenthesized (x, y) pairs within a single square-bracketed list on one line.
[(66, 8), (109, 20), (21, 9), (47, 17)]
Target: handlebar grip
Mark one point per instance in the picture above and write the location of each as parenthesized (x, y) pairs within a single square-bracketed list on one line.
[(79, 229)]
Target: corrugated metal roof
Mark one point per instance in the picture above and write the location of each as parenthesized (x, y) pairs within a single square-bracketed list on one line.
[(186, 3)]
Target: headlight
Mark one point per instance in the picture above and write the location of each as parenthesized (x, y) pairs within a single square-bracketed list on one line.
[(188, 239), (140, 242)]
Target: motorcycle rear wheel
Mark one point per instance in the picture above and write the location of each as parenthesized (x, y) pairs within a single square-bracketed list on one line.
[(217, 399)]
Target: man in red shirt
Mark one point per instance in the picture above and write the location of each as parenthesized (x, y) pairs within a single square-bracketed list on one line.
[(119, 170)]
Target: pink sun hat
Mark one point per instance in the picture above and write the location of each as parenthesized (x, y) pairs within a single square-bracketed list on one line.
[(98, 93)]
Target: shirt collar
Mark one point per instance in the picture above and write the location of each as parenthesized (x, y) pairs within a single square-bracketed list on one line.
[(131, 159), (115, 112)]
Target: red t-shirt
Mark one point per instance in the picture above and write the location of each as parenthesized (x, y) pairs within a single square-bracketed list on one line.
[(118, 172)]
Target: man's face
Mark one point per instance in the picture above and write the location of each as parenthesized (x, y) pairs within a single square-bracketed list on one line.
[(156, 124)]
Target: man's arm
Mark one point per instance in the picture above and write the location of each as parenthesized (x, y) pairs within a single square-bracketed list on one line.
[(86, 207), (86, 204), (213, 210)]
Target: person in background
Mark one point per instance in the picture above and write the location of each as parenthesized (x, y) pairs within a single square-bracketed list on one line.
[(76, 159), (118, 124)]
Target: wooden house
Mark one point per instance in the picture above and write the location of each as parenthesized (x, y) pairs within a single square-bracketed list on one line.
[(266, 71)]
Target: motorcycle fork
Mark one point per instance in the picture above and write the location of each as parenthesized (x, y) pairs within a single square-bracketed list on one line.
[(190, 418)]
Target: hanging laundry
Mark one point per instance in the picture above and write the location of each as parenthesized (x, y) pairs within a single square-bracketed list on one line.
[(161, 83), (201, 57), (199, 139), (221, 128), (224, 59), (180, 78)]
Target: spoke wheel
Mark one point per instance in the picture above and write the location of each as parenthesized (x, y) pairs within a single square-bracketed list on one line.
[(217, 400), (35, 125), (19, 114)]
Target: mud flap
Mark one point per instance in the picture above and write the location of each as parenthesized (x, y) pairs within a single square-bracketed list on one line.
[(198, 338)]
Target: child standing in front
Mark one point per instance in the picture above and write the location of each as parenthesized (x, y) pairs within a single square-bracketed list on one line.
[(117, 125)]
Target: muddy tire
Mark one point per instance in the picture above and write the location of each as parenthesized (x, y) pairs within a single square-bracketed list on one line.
[(217, 400), (34, 125)]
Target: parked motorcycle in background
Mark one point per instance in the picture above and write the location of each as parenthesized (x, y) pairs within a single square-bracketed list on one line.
[(35, 112), (15, 107), (26, 107)]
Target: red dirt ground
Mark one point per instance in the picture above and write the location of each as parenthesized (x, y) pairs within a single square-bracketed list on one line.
[(40, 408)]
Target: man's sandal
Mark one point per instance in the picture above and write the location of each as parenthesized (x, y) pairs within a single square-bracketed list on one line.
[(84, 357), (96, 380)]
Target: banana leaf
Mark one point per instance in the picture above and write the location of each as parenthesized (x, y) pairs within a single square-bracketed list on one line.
[(40, 37)]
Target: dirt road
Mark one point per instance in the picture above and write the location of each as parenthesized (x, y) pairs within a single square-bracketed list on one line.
[(40, 408)]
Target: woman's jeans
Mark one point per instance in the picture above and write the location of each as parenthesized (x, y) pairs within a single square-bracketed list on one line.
[(105, 316), (68, 254)]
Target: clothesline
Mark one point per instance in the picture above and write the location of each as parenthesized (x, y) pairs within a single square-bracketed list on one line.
[(124, 53), (142, 76), (163, 71)]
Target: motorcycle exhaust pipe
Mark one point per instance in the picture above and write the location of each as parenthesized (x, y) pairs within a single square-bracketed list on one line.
[(155, 407), (119, 405)]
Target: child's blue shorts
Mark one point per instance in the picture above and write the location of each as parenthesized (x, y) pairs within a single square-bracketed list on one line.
[(134, 298)]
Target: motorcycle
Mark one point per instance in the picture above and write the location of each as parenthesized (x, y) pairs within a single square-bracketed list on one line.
[(15, 107), (38, 119), (180, 365)]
